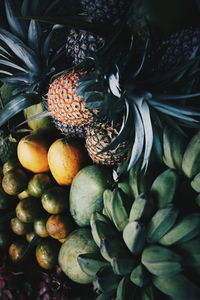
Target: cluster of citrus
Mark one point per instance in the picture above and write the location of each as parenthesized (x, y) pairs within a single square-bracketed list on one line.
[(34, 196)]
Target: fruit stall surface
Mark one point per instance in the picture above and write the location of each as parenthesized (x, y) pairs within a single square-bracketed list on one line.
[(100, 150)]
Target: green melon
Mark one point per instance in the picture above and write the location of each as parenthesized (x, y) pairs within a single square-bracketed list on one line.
[(86, 192), (40, 124), (80, 241)]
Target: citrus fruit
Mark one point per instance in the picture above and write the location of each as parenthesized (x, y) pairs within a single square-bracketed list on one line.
[(6, 201), (86, 192), (30, 236), (55, 200), (79, 241), (32, 153), (38, 184), (40, 226), (40, 124), (14, 181), (47, 253), (65, 159), (28, 210), (16, 250), (59, 226), (19, 227), (24, 194), (12, 163)]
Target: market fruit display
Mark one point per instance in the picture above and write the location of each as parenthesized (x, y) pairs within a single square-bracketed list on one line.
[(99, 150)]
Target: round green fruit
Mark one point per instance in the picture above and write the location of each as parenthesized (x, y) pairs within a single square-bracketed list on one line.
[(12, 163), (16, 250), (79, 241), (55, 200), (40, 124), (14, 181), (47, 253), (38, 184), (28, 210), (86, 192), (40, 226), (19, 227)]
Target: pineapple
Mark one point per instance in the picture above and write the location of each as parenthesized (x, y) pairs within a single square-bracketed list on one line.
[(98, 137), (105, 11), (81, 43), (145, 101), (179, 48), (67, 107)]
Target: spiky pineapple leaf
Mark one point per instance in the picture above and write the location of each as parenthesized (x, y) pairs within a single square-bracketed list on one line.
[(17, 47), (16, 105), (77, 22), (34, 35), (18, 27)]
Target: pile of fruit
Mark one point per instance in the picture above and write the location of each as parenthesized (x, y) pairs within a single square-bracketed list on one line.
[(99, 150)]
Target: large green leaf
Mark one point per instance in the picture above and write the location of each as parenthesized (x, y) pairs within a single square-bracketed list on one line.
[(16, 105)]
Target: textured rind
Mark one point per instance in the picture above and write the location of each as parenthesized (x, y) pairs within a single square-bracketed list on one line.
[(80, 44), (105, 11), (178, 48), (65, 104), (100, 136)]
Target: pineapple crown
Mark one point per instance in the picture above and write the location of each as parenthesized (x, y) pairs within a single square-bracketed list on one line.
[(27, 59), (145, 101)]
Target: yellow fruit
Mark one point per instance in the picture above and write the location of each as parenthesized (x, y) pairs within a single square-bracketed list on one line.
[(65, 159), (32, 153)]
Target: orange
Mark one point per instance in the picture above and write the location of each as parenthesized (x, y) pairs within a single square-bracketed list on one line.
[(59, 226), (66, 158), (32, 153)]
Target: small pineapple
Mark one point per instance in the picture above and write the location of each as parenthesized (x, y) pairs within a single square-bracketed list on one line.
[(8, 146), (99, 136), (66, 106), (105, 11), (81, 43), (179, 48)]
